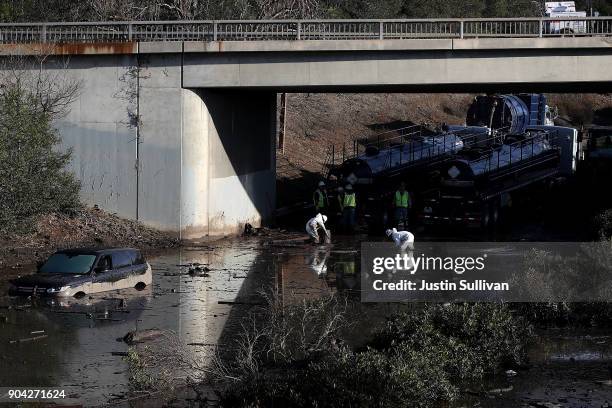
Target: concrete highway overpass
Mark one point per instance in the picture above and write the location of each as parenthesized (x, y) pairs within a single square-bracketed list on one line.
[(175, 124)]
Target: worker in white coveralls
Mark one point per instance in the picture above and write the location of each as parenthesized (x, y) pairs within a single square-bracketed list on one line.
[(403, 239), (314, 225)]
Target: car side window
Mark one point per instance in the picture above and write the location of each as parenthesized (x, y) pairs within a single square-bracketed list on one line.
[(105, 264), (122, 259), (140, 260), (133, 258)]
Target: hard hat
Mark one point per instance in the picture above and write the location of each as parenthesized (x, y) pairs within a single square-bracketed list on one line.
[(321, 184), (325, 218), (349, 187), (389, 232)]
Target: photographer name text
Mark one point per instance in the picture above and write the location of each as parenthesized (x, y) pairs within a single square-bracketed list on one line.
[(440, 286)]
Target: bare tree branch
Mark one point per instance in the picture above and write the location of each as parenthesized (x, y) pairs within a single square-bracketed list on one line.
[(48, 84)]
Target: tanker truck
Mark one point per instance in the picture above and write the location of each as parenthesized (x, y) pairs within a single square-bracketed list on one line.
[(472, 188), (377, 171), (495, 125), (564, 18)]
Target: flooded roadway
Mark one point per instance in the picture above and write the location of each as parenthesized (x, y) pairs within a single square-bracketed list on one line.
[(73, 345)]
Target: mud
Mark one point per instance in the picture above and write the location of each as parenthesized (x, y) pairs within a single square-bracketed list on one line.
[(90, 227)]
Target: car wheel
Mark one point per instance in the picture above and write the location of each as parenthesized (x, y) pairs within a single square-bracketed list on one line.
[(140, 286), (79, 295)]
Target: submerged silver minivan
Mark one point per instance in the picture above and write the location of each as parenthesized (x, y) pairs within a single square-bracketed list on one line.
[(81, 271)]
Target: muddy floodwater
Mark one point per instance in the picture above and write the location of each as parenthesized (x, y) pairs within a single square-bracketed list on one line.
[(76, 345)]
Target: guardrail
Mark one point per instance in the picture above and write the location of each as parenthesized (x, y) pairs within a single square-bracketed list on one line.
[(307, 30)]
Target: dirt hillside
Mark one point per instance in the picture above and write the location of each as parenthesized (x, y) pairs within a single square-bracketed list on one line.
[(90, 227)]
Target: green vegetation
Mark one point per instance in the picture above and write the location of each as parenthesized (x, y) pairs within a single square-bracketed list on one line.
[(416, 359), (95, 10), (140, 378), (33, 178)]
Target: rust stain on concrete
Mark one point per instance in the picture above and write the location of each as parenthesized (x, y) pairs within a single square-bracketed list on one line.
[(103, 48)]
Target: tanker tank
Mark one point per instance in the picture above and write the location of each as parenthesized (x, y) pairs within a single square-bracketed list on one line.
[(420, 149), (473, 163)]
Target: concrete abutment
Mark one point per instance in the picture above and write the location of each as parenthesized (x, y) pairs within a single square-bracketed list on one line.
[(194, 162), (228, 161)]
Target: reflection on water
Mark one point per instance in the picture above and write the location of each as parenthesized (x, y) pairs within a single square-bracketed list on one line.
[(310, 272), (72, 344)]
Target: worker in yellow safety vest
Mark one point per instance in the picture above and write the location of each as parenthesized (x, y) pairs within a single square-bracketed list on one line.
[(348, 208), (401, 202), (319, 198)]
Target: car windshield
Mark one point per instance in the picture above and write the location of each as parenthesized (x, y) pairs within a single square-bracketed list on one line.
[(68, 263)]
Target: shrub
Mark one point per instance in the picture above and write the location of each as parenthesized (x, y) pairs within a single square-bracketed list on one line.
[(470, 340), (33, 178), (419, 359), (344, 378)]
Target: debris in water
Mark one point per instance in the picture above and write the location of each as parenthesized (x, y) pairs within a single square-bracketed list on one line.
[(237, 302), (142, 336), (44, 336), (289, 242), (501, 390), (198, 271)]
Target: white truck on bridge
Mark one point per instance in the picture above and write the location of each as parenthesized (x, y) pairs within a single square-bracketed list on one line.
[(562, 10)]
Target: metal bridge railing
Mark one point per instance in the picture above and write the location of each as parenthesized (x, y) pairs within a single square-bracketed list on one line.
[(307, 30)]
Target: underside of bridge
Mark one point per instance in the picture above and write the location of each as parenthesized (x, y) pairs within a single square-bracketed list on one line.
[(182, 136)]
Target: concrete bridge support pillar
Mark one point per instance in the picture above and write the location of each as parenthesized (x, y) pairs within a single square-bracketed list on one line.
[(227, 161)]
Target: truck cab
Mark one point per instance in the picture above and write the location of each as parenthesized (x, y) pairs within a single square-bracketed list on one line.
[(568, 23)]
